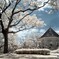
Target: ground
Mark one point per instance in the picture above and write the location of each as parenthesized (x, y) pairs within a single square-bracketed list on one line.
[(53, 55), (26, 56)]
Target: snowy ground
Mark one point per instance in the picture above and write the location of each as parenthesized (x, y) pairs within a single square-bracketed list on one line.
[(53, 55), (27, 56)]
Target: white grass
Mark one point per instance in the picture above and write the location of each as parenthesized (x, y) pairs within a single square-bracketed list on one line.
[(53, 55), (26, 56)]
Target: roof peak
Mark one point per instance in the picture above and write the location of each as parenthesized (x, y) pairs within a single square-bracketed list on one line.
[(50, 33), (50, 28)]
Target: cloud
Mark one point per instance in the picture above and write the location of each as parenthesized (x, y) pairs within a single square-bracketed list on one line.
[(32, 20), (42, 30), (57, 31), (23, 35), (32, 32), (27, 32)]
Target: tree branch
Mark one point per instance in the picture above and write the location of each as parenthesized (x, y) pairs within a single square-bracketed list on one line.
[(7, 16), (1, 23), (20, 30), (21, 19), (11, 17), (32, 9), (6, 8)]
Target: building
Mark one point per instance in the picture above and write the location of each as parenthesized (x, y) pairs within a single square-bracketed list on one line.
[(50, 40)]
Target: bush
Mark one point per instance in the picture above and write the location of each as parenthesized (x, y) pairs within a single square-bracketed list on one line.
[(33, 51)]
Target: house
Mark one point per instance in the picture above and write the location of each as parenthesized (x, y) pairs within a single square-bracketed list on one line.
[(50, 40)]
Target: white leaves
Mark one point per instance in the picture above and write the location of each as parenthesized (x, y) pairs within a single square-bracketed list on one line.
[(54, 4), (25, 2), (5, 20), (35, 4), (7, 1), (30, 20), (2, 3), (30, 43), (31, 3), (33, 21)]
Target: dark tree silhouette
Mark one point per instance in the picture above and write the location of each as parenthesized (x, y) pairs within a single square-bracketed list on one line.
[(5, 31)]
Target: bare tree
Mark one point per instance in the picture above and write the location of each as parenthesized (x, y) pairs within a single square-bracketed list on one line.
[(14, 5), (30, 43)]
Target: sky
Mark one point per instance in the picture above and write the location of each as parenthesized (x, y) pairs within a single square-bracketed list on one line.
[(50, 18)]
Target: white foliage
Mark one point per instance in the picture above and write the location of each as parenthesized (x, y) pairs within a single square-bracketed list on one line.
[(30, 20), (33, 21)]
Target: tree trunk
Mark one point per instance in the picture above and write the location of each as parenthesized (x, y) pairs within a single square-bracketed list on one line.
[(5, 33)]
